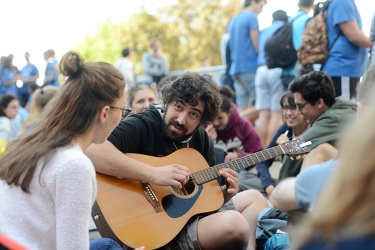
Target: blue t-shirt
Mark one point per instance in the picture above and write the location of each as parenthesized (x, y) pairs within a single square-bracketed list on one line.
[(28, 71), (344, 58), (243, 55), (52, 63), (310, 182), (264, 35), (7, 75), (299, 23)]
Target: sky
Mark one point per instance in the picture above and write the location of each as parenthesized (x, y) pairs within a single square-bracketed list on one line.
[(38, 25)]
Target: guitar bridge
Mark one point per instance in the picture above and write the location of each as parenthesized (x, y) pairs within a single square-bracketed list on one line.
[(151, 197)]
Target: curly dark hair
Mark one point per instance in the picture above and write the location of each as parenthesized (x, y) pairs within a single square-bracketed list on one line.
[(192, 87), (313, 86)]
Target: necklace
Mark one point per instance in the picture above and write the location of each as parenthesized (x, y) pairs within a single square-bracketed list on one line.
[(187, 145)]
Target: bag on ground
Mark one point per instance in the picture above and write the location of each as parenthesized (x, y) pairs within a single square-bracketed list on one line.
[(270, 221)]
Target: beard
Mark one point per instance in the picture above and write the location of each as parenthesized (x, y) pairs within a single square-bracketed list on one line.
[(173, 135)]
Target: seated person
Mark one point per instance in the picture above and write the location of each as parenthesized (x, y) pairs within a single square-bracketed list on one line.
[(344, 215), (190, 100), (314, 95), (231, 132), (303, 191), (235, 135), (41, 97), (294, 125), (140, 95)]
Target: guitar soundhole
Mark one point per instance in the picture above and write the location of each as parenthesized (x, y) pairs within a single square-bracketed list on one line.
[(188, 190)]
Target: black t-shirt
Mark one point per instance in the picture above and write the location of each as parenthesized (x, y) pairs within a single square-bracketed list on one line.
[(142, 133)]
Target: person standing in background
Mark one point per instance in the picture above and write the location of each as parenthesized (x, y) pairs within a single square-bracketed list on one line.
[(29, 74), (155, 64), (268, 85), (52, 74), (8, 76), (347, 58), (299, 21), (225, 78), (125, 66), (243, 43)]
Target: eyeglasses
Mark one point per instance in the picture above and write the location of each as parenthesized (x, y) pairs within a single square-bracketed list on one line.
[(291, 108), (125, 111), (300, 106)]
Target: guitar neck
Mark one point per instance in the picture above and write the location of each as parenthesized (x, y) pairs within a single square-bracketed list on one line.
[(212, 173)]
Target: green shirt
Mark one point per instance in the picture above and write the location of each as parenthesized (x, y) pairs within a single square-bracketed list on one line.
[(327, 128)]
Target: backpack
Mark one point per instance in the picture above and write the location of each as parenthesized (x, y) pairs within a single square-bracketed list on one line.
[(270, 220), (279, 50), (314, 48)]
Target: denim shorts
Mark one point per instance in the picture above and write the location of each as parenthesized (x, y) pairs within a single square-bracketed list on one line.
[(268, 87), (244, 86)]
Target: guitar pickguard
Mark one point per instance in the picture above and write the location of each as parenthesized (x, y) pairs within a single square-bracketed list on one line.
[(176, 206)]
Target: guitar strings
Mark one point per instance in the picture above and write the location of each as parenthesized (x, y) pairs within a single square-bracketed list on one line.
[(255, 158)]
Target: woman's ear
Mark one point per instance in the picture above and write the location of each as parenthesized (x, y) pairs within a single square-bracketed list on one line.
[(103, 114)]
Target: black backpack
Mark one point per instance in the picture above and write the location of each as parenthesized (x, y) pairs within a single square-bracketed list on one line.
[(279, 50)]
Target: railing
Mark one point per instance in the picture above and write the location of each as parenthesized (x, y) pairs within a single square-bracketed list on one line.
[(215, 71)]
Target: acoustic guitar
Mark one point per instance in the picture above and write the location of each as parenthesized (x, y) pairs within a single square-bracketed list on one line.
[(138, 213)]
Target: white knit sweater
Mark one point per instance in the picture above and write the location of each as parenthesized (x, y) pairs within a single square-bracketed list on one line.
[(56, 214)]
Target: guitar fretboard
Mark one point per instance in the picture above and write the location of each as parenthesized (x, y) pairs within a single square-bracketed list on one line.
[(212, 173)]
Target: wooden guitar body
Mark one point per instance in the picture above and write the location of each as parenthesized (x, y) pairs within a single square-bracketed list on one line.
[(133, 219), (138, 213)]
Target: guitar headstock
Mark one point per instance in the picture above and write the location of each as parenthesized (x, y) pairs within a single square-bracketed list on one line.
[(296, 147)]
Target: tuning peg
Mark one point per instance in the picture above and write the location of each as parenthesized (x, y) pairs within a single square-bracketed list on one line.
[(303, 156), (298, 157), (292, 158)]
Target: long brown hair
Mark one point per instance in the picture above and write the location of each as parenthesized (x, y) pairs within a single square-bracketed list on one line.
[(89, 87)]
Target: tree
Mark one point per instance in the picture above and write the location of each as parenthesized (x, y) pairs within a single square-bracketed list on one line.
[(190, 30), (201, 25)]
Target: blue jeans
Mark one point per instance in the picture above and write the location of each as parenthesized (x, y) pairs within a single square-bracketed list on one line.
[(244, 86), (104, 244)]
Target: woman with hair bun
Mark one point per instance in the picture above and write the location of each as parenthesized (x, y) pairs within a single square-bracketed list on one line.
[(47, 183)]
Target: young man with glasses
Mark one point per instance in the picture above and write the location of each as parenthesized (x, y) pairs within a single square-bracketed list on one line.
[(315, 98), (190, 100)]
